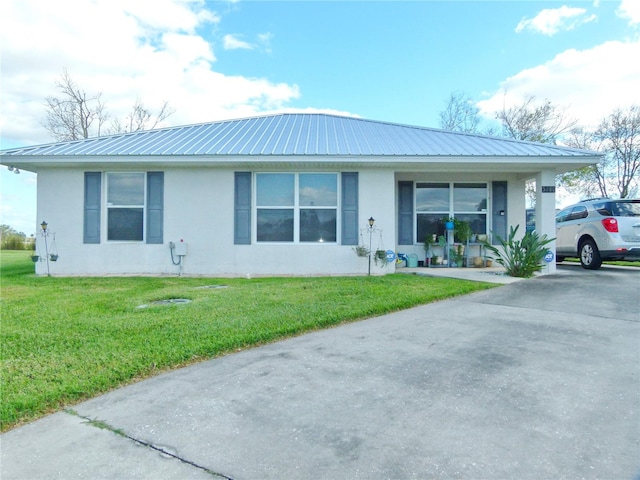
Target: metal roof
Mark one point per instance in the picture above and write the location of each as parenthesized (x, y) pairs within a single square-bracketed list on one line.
[(305, 134)]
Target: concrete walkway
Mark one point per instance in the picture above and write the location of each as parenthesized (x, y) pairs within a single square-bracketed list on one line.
[(538, 379)]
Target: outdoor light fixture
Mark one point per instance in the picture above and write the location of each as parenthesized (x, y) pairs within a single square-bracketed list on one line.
[(44, 226), (371, 222), (13, 169)]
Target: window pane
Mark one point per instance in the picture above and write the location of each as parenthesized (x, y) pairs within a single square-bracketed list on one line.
[(469, 197), (320, 190), (428, 224), (317, 225), (275, 225), (478, 221), (124, 224), (432, 197), (275, 189), (125, 189)]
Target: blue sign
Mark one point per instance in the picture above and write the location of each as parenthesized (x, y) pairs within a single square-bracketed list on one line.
[(549, 256), (391, 256)]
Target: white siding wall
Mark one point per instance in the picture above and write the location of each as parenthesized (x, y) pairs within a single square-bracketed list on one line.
[(198, 208)]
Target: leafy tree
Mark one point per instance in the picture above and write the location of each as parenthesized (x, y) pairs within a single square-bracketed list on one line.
[(589, 181), (75, 115), (10, 239)]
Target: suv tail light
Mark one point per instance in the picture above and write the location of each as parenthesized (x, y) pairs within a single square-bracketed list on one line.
[(610, 224)]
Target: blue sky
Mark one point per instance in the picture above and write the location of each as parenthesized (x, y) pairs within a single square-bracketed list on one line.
[(384, 60)]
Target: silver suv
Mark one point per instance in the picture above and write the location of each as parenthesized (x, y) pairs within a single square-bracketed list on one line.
[(599, 229)]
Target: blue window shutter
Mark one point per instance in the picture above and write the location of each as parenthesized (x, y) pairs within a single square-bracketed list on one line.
[(92, 199), (349, 208), (499, 203), (405, 213), (242, 209), (155, 207)]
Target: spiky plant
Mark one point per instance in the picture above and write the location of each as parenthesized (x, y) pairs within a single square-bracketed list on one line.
[(520, 258)]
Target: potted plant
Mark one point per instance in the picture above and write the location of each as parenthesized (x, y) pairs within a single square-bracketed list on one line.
[(380, 256), (456, 257), (361, 251), (462, 230), (53, 257), (35, 258)]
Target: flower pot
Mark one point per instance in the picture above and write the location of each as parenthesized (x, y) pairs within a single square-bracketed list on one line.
[(35, 258), (361, 251), (53, 257)]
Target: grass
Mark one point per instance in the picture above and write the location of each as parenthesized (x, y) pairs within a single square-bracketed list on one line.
[(64, 340)]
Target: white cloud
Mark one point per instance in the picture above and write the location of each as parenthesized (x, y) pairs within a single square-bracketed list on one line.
[(152, 49), (591, 83), (553, 20), (629, 9), (232, 42)]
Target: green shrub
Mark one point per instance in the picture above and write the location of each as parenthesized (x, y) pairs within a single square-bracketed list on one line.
[(12, 242), (521, 258)]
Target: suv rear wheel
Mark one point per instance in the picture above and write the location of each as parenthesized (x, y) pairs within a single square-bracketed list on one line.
[(589, 255)]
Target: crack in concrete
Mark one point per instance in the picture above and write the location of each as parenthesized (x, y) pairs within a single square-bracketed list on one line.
[(105, 426)]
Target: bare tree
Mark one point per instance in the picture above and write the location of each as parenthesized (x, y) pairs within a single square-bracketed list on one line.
[(618, 139), (75, 114), (536, 122), (139, 118), (460, 114), (620, 135)]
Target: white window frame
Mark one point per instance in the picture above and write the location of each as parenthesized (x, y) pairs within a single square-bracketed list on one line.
[(296, 207), (108, 206), (451, 212)]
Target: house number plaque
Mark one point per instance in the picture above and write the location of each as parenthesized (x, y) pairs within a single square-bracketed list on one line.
[(548, 189)]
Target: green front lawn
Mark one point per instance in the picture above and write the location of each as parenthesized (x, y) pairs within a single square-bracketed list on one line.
[(68, 339)]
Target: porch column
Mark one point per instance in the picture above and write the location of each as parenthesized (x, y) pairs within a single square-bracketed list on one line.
[(546, 212)]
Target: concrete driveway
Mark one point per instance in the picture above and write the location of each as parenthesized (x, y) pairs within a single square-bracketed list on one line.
[(537, 379)]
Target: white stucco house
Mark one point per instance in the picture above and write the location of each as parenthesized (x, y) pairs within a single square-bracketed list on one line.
[(285, 194)]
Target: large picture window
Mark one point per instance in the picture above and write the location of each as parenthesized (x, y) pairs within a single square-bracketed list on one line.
[(296, 207), (436, 201), (125, 206)]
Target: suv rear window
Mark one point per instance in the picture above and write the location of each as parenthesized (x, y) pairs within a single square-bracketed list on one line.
[(618, 209)]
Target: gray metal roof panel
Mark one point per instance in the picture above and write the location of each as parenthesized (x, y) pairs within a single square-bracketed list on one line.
[(296, 134)]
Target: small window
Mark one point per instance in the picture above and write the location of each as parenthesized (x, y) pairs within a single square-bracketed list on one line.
[(125, 206), (578, 213), (563, 215), (627, 208)]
